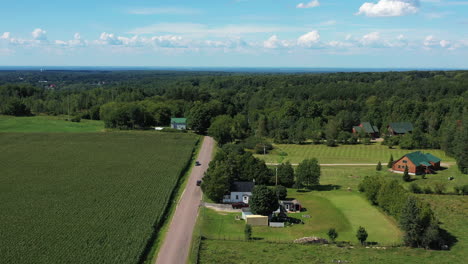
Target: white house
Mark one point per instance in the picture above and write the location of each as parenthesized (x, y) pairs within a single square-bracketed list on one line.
[(239, 192)]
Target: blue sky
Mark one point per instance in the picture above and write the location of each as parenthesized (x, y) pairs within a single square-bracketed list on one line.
[(235, 33)]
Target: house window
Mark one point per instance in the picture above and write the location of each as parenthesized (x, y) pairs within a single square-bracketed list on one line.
[(405, 161), (399, 166), (237, 197)]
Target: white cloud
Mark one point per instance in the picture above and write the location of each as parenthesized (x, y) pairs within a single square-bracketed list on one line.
[(430, 41), (309, 39), (6, 35), (371, 39), (75, 42), (274, 43), (444, 43), (311, 4), (39, 34), (389, 8)]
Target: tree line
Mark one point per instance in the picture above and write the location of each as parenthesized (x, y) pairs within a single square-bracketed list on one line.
[(286, 108)]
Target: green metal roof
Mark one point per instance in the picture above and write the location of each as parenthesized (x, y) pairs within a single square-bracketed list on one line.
[(432, 158), (401, 127), (368, 128), (178, 120), (419, 158)]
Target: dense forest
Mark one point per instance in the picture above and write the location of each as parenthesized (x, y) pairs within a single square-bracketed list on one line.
[(284, 108)]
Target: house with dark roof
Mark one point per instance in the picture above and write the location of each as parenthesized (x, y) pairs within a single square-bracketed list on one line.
[(400, 128), (367, 128), (179, 123), (417, 163), (239, 192)]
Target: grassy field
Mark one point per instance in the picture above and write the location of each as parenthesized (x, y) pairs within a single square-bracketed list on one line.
[(85, 197), (351, 176), (47, 124), (344, 211), (452, 211), (341, 154)]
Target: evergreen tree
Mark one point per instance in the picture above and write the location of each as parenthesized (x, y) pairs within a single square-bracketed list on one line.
[(332, 234), (390, 162), (406, 176), (379, 166), (362, 235)]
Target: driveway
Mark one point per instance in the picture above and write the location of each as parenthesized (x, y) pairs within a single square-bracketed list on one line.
[(176, 246)]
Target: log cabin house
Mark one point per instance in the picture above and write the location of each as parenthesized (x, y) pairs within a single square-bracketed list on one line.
[(417, 163)]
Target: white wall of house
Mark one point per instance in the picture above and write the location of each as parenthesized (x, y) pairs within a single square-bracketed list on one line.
[(237, 197)]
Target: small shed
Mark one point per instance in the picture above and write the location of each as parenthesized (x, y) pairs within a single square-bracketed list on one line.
[(257, 220), (291, 206), (179, 123), (245, 212)]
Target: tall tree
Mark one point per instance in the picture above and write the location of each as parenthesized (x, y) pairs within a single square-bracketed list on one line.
[(216, 181), (286, 174), (390, 162), (263, 200), (308, 173)]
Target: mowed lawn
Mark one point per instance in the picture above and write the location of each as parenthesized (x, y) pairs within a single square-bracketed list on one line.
[(451, 210), (348, 154), (47, 124), (344, 211), (85, 197)]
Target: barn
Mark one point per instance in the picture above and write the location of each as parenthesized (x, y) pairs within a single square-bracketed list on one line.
[(417, 163)]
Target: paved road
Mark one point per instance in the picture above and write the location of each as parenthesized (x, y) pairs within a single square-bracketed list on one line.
[(176, 246)]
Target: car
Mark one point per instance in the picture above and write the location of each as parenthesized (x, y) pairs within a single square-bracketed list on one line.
[(197, 163), (239, 205), (199, 182)]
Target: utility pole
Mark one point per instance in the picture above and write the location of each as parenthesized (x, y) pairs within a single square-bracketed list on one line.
[(277, 175)]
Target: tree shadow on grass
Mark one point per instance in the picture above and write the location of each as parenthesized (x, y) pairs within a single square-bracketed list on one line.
[(326, 187), (449, 239)]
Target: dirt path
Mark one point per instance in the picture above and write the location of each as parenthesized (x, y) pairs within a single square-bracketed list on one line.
[(335, 164), (176, 246)]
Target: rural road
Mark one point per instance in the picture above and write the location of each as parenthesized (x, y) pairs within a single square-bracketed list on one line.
[(176, 246)]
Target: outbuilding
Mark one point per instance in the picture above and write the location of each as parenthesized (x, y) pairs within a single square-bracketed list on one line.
[(367, 128), (179, 123)]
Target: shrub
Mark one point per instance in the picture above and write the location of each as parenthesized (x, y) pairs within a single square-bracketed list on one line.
[(76, 119), (414, 188), (458, 189), (332, 234), (406, 176), (427, 190), (248, 232), (439, 188), (465, 189)]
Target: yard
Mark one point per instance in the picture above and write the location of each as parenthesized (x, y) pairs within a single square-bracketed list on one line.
[(452, 211), (342, 210), (343, 154)]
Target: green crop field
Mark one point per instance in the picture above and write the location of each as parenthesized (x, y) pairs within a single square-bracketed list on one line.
[(348, 154), (47, 124), (451, 210), (85, 197)]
